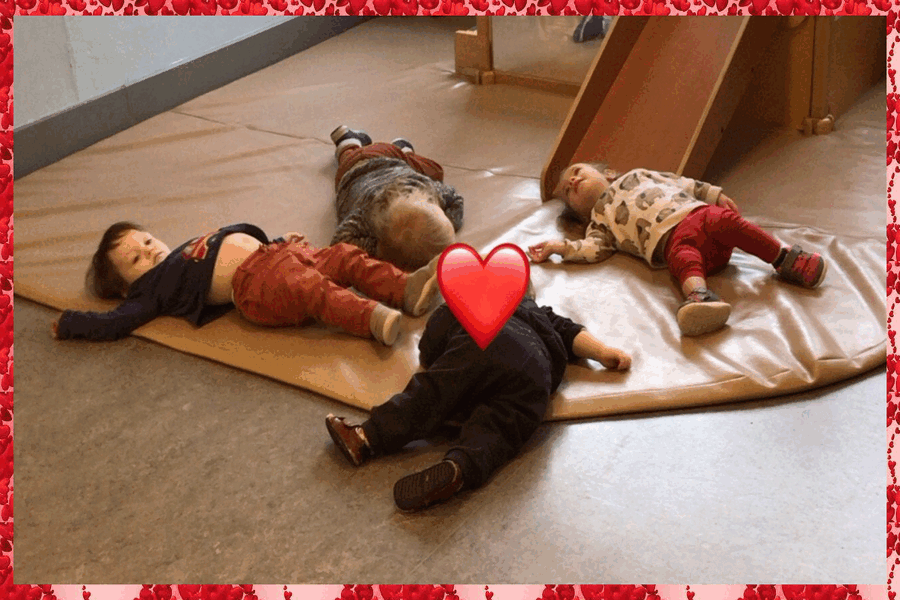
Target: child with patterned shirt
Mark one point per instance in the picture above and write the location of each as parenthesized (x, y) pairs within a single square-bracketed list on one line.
[(689, 226), (282, 282)]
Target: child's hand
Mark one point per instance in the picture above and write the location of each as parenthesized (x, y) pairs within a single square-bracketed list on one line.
[(294, 237), (54, 329), (726, 202), (543, 250), (615, 359)]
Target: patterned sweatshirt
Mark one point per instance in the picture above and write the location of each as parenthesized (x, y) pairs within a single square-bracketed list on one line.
[(634, 214), (366, 191)]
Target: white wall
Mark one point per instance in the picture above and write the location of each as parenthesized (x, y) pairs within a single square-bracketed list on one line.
[(64, 61)]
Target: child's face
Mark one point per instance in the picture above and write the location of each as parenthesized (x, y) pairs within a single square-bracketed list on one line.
[(581, 186), (137, 253)]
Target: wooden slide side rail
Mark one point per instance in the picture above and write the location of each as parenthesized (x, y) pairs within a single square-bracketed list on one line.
[(646, 103)]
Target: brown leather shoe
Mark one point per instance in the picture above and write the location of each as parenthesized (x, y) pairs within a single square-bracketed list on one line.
[(435, 484), (350, 440)]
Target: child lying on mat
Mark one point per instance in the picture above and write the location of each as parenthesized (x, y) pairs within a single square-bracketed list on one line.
[(501, 393), (392, 202), (283, 282), (686, 225)]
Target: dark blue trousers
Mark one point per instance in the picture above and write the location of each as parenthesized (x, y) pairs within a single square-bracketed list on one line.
[(502, 391)]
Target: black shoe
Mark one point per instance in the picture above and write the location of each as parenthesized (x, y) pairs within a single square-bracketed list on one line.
[(590, 27), (403, 144), (435, 484), (342, 132)]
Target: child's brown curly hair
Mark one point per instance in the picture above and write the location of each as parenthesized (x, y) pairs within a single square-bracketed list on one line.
[(102, 278)]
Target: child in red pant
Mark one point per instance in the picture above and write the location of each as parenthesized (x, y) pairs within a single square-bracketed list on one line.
[(284, 282), (392, 202), (689, 226)]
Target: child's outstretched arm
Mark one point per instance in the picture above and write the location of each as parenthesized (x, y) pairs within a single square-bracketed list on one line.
[(586, 345), (103, 326), (598, 244), (543, 250)]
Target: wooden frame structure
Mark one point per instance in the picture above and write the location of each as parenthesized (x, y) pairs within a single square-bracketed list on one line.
[(645, 101), (475, 61)]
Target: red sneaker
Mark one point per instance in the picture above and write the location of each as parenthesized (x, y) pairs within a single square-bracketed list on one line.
[(803, 268)]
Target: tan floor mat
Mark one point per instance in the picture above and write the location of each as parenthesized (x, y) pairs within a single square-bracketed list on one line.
[(258, 151)]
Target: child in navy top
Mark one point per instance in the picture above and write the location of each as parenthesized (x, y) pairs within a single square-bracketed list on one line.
[(273, 283)]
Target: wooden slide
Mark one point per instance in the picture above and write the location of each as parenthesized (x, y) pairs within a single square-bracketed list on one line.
[(659, 94)]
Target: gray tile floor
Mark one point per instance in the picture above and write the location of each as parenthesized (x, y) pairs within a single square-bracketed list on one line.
[(136, 463)]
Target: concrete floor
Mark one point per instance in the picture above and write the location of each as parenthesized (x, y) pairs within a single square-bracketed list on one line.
[(138, 463)]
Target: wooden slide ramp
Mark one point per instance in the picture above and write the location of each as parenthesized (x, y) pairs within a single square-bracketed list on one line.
[(660, 93)]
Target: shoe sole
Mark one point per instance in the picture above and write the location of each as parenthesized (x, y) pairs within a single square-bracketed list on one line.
[(421, 490), (702, 317), (339, 442)]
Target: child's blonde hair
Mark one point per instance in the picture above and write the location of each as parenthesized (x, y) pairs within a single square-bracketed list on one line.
[(571, 222), (416, 232)]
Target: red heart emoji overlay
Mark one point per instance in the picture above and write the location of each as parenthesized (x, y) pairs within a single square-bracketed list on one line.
[(483, 294)]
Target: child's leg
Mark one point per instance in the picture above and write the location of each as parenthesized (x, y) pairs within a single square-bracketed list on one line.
[(428, 400), (353, 155), (792, 264), (727, 229), (349, 265), (497, 430), (688, 259), (276, 287), (493, 434), (685, 262)]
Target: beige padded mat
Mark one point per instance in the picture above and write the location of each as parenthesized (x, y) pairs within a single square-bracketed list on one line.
[(258, 151)]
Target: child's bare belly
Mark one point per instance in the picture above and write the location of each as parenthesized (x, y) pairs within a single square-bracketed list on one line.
[(235, 249)]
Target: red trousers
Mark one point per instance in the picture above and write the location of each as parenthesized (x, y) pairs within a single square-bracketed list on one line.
[(289, 283), (702, 243), (351, 156)]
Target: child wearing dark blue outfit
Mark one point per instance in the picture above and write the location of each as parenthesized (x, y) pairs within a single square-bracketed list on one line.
[(501, 391)]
